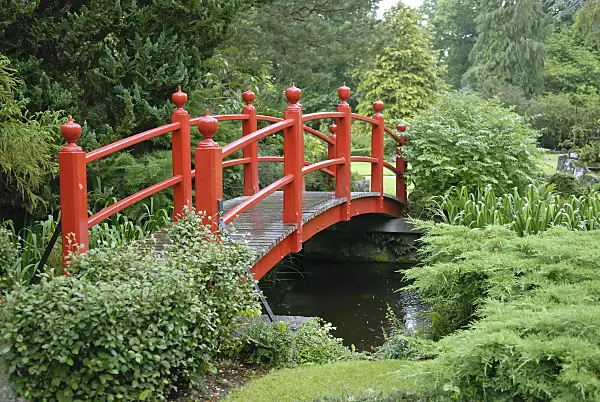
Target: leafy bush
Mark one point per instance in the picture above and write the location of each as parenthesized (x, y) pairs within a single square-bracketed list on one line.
[(463, 140), (566, 184), (128, 323), (276, 345), (532, 212), (9, 251), (534, 308), (395, 396)]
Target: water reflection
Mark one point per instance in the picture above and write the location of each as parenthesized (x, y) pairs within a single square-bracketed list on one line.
[(353, 297)]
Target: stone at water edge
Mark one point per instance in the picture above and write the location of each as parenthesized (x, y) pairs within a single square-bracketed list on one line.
[(568, 163), (361, 185)]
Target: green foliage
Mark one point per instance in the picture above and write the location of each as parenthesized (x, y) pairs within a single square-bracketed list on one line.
[(276, 345), (536, 302), (532, 212), (566, 184), (463, 140), (9, 251), (127, 323), (394, 396), (587, 21), (403, 74), (509, 47), (566, 120)]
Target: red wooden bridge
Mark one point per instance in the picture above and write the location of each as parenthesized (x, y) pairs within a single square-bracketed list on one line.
[(273, 222)]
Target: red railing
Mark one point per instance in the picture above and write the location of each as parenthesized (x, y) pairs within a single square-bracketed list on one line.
[(210, 161)]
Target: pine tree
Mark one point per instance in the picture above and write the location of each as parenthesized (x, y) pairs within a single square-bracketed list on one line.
[(403, 75), (509, 48)]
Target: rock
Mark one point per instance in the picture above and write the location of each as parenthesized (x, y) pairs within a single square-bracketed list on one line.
[(568, 163), (361, 185)]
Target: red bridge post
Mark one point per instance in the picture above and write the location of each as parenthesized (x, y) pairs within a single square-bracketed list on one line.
[(343, 145), (401, 167), (377, 152), (73, 192), (293, 162), (181, 155), (251, 151), (209, 171), (331, 149)]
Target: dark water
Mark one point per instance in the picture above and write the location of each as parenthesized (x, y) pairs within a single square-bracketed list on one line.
[(353, 297)]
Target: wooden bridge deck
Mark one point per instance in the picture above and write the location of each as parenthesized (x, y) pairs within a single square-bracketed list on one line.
[(262, 225)]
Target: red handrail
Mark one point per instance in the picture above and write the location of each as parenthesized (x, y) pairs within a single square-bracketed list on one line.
[(233, 162), (129, 141), (280, 159), (363, 159), (132, 199), (321, 165), (391, 133), (391, 167), (364, 118), (322, 115), (309, 130), (256, 198), (255, 136)]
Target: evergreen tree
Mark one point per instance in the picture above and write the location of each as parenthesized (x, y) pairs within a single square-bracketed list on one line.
[(403, 74), (509, 48)]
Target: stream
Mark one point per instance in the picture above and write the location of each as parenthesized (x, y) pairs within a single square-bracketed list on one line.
[(354, 297)]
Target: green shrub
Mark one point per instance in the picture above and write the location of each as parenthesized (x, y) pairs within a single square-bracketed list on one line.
[(533, 304), (530, 212), (276, 345), (566, 184), (9, 251), (395, 396), (463, 140), (128, 323)]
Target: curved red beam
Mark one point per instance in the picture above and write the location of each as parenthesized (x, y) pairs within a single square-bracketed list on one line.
[(256, 198), (391, 167), (321, 165), (255, 136), (363, 159), (234, 162), (221, 117), (322, 115), (280, 159), (132, 199), (394, 136), (364, 118), (312, 131), (129, 141)]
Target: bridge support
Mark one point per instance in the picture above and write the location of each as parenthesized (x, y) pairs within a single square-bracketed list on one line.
[(251, 151), (344, 150), (181, 155), (401, 167), (293, 162), (209, 172), (377, 151)]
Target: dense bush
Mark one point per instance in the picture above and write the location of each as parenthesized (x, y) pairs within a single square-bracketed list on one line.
[(529, 308), (394, 396), (9, 252), (531, 212), (276, 345), (127, 323), (566, 184), (463, 140)]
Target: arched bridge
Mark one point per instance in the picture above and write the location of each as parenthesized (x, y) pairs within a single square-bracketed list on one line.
[(274, 222)]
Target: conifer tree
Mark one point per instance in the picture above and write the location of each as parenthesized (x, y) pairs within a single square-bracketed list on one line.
[(509, 48), (403, 74)]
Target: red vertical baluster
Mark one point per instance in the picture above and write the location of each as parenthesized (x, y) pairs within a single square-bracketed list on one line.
[(344, 150), (73, 192), (181, 155), (331, 151), (209, 171), (401, 167), (251, 151), (377, 152), (293, 161)]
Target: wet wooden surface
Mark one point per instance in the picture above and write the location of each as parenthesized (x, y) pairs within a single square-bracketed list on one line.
[(262, 225)]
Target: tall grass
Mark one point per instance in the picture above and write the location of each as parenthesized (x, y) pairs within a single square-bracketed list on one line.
[(532, 212), (33, 239)]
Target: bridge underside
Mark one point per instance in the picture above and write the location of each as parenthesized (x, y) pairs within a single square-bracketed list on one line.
[(263, 228)]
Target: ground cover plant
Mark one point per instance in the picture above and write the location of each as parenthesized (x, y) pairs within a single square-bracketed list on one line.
[(529, 212), (126, 323)]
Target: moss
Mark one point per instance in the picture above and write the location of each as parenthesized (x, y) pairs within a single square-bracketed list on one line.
[(382, 257)]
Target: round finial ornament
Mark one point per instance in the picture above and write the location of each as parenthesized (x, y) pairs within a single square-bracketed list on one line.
[(333, 129), (344, 92), (378, 105), (71, 131), (293, 94), (248, 96), (179, 98), (208, 126), (401, 127)]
